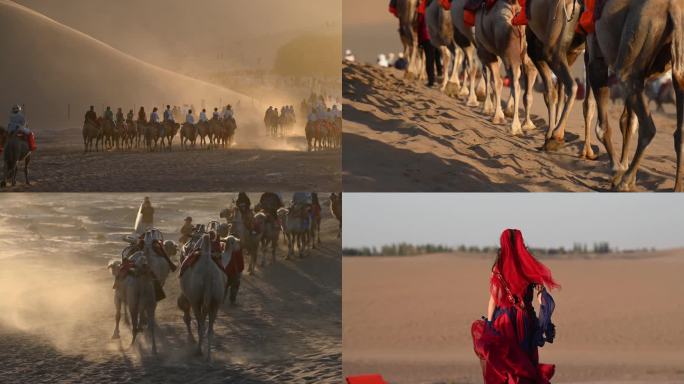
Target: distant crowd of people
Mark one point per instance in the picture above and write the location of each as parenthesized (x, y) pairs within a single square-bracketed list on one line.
[(389, 60)]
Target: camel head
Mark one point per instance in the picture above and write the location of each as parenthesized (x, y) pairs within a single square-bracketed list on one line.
[(282, 212), (114, 267), (205, 247), (171, 248)]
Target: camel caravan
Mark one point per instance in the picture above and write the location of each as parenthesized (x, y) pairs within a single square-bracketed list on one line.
[(323, 124), (212, 259), (110, 131), (625, 42)]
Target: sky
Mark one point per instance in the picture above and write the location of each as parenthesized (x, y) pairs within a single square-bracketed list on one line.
[(369, 29), (626, 221)]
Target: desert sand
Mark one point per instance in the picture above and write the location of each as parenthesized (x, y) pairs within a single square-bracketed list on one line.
[(57, 71), (409, 318), (57, 313), (403, 136)]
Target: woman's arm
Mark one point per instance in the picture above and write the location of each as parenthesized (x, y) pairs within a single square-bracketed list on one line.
[(491, 307)]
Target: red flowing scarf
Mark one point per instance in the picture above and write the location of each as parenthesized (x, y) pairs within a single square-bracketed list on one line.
[(517, 268)]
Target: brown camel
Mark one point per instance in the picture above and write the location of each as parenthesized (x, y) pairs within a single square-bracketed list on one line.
[(637, 39), (465, 39), (497, 37), (554, 46)]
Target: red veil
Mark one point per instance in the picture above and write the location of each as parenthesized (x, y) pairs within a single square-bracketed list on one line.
[(515, 269)]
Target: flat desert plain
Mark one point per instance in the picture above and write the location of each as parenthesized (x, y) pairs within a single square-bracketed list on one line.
[(618, 317)]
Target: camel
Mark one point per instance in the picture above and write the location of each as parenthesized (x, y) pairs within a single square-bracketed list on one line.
[(245, 228), (295, 230), (188, 135), (170, 130), (16, 149), (465, 39), (203, 287), (137, 293), (554, 46), (627, 32), (408, 32), (230, 126), (497, 37), (108, 131), (336, 209), (91, 133), (154, 136), (203, 130), (270, 238), (441, 30)]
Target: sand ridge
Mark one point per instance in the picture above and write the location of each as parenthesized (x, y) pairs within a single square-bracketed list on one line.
[(421, 140)]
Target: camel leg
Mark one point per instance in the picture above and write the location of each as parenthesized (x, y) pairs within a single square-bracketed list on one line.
[(472, 77), (589, 109), (550, 95), (570, 87), (446, 58), (516, 128), (213, 310), (628, 126), (530, 77), (597, 72), (117, 317), (150, 325), (487, 108), (637, 102), (135, 326), (200, 317), (498, 117), (678, 83), (26, 169), (184, 305)]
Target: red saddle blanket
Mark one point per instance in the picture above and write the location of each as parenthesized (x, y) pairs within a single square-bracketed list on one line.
[(234, 267), (366, 379), (589, 16), (446, 4), (30, 139)]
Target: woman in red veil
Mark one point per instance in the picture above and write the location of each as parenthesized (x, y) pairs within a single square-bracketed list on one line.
[(507, 340)]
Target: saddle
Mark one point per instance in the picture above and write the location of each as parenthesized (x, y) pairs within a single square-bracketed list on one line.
[(446, 4), (235, 266), (591, 12)]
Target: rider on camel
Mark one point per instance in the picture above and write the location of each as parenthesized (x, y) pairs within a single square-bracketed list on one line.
[(17, 125)]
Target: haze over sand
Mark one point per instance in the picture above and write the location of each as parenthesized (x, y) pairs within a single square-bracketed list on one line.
[(369, 29), (617, 320), (52, 66), (57, 312), (402, 136)]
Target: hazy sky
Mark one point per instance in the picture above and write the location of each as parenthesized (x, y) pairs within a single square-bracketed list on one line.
[(546, 219), (368, 29)]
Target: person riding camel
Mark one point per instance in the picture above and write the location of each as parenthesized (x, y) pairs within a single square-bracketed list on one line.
[(17, 125), (147, 212), (270, 202), (243, 203), (108, 114), (91, 116), (154, 119), (168, 114), (228, 113), (119, 116), (142, 115), (190, 118), (129, 117), (216, 115), (203, 116), (186, 231)]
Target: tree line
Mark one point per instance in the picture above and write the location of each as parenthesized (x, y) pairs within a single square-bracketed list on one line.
[(406, 249)]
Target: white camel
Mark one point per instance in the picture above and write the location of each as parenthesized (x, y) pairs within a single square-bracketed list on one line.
[(203, 287), (295, 230), (136, 292)]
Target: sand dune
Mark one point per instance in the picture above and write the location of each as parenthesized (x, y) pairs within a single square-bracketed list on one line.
[(57, 312), (402, 136), (615, 324), (49, 66)]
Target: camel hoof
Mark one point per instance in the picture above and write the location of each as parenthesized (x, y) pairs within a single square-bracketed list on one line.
[(517, 131), (498, 120), (472, 103), (115, 336), (588, 154), (553, 144), (528, 126), (624, 186), (508, 113)]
